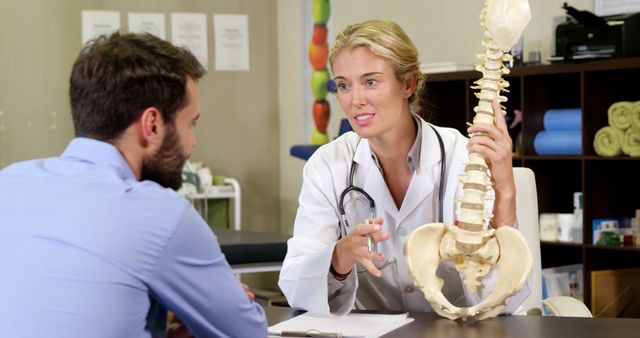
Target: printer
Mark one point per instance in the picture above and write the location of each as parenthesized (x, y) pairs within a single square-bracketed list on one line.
[(587, 36)]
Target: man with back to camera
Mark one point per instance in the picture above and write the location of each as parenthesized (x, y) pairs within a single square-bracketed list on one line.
[(91, 239)]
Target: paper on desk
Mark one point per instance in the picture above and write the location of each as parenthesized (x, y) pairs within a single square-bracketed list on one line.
[(353, 325)]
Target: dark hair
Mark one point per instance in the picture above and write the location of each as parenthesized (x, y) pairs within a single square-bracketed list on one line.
[(115, 78)]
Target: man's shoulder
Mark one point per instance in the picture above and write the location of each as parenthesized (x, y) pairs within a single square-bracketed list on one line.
[(154, 194), (23, 167)]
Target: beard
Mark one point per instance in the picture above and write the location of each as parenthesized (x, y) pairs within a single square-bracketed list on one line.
[(165, 166)]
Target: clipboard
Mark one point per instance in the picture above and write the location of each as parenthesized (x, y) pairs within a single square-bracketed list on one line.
[(353, 325)]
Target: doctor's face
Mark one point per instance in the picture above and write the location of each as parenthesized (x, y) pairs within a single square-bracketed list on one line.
[(372, 98)]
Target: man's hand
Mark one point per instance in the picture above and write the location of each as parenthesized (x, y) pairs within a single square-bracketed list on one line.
[(250, 294), (177, 329)]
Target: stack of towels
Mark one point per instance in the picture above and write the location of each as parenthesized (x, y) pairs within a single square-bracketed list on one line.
[(562, 134), (622, 135)]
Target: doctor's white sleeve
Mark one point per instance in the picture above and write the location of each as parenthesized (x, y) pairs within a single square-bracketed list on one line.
[(305, 279), (342, 294)]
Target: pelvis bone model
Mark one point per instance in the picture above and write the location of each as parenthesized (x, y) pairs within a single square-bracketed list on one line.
[(472, 245)]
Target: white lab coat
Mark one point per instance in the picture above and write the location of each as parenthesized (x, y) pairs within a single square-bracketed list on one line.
[(305, 278)]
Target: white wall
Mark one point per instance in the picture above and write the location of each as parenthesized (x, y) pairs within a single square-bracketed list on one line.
[(442, 31)]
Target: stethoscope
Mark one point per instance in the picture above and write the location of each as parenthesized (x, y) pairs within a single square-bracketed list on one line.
[(345, 228)]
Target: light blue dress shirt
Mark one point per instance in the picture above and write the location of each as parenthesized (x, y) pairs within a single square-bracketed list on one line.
[(84, 245)]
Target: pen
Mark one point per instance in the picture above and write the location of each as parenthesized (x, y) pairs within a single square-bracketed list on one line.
[(310, 333), (369, 239)]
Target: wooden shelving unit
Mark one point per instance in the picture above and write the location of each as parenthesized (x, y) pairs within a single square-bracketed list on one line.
[(609, 185)]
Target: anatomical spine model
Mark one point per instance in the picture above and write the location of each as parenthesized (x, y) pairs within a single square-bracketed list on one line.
[(472, 245)]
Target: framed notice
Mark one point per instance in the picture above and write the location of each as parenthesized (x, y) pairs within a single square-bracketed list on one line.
[(96, 23), (152, 23), (190, 30), (232, 41)]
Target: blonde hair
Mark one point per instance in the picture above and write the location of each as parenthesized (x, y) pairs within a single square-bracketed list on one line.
[(387, 40)]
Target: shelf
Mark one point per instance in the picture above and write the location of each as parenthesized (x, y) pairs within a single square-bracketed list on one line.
[(230, 190), (615, 158), (563, 244), (577, 158), (609, 247), (559, 255), (588, 246), (213, 195), (545, 69), (605, 182), (548, 158)]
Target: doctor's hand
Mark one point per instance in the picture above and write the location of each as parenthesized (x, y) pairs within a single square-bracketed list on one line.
[(495, 144), (353, 248)]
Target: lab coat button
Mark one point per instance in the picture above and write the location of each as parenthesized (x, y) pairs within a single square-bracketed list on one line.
[(409, 289), (402, 232)]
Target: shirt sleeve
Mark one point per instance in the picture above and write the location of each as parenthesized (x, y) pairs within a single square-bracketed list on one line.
[(342, 293), (193, 279)]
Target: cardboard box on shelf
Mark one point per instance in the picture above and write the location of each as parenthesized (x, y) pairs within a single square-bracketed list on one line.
[(605, 231), (614, 293)]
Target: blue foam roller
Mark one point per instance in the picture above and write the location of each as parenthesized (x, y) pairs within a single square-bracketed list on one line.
[(558, 143), (562, 119)]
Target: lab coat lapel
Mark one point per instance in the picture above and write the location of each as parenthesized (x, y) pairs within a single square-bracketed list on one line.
[(421, 186), (424, 181), (374, 183)]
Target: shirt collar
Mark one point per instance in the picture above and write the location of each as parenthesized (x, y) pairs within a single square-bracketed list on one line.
[(413, 157), (100, 153)]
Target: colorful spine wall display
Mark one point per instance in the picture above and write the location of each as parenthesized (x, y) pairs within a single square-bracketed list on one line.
[(318, 55)]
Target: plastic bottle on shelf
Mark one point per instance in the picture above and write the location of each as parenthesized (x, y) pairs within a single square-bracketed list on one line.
[(566, 224), (577, 213), (549, 227)]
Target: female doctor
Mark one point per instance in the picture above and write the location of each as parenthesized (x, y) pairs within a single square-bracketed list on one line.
[(396, 170)]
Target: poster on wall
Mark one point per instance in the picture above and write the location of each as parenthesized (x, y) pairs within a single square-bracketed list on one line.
[(152, 23), (96, 23), (232, 41), (190, 30)]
